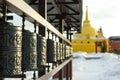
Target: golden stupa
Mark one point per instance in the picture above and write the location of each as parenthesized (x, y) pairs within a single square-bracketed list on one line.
[(89, 40)]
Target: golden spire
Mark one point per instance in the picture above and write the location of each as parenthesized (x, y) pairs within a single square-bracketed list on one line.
[(87, 20)]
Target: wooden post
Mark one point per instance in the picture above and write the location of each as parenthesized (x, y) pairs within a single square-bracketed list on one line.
[(67, 69), (42, 30), (71, 72), (61, 74), (67, 33), (96, 43), (43, 12), (61, 25)]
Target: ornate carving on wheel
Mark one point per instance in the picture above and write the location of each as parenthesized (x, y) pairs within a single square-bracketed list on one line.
[(29, 54), (33, 62), (18, 39), (41, 51), (10, 40), (10, 49), (32, 42)]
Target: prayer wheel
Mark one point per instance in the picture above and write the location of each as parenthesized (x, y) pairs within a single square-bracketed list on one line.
[(57, 51), (67, 51), (51, 51), (41, 51), (64, 51), (61, 51), (29, 51), (10, 49)]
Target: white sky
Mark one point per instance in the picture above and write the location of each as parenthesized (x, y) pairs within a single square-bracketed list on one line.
[(104, 13)]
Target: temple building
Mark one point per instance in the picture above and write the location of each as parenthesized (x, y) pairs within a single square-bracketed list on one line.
[(114, 43), (90, 40)]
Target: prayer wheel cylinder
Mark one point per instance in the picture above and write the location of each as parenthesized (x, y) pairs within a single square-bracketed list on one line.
[(29, 51), (64, 51), (41, 51), (61, 51), (51, 51), (70, 51), (10, 49), (57, 51), (67, 51)]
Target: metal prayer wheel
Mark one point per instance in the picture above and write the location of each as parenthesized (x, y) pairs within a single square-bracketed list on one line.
[(41, 51), (51, 51), (64, 51), (61, 51), (67, 51), (71, 50), (29, 51), (57, 51), (10, 49)]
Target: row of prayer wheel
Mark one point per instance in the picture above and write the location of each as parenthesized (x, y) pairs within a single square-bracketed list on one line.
[(57, 51), (22, 50)]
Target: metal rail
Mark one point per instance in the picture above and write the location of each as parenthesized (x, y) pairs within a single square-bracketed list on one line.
[(19, 7)]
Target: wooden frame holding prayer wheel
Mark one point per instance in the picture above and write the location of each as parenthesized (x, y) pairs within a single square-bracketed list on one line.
[(10, 49), (29, 51), (51, 51), (41, 51)]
